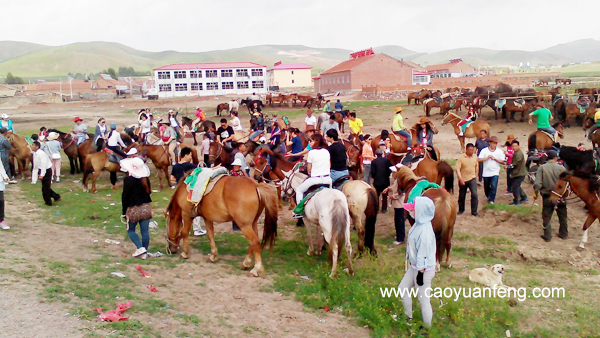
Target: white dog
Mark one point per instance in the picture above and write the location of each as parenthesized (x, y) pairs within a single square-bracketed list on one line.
[(491, 278)]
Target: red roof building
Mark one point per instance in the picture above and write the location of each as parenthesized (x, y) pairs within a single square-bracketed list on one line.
[(454, 68)]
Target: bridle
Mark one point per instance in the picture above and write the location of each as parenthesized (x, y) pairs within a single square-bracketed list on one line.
[(566, 193), (218, 155)]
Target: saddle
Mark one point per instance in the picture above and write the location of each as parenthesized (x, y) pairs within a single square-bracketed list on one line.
[(420, 188), (310, 193), (112, 157), (549, 135), (339, 183), (438, 99), (583, 106), (411, 161), (427, 101), (556, 99), (519, 103), (399, 138)]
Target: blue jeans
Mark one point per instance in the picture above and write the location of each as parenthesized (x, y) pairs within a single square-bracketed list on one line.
[(255, 134), (548, 130), (490, 185), (335, 174), (406, 134), (144, 228), (367, 173)]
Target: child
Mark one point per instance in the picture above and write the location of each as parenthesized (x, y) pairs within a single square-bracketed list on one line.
[(397, 200), (205, 148), (236, 168), (509, 152), (471, 116)]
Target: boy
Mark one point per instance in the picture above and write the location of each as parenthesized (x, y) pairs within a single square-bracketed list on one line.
[(41, 164)]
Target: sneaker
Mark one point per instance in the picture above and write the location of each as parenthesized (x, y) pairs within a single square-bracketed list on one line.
[(173, 163), (296, 216), (546, 239), (139, 252), (506, 192), (199, 233), (525, 200), (144, 256), (12, 182), (513, 203), (461, 134), (398, 242), (475, 214), (4, 226), (409, 148), (58, 180), (563, 236), (479, 183), (409, 321), (490, 202)]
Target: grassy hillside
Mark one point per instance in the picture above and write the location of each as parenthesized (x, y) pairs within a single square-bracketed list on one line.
[(592, 69), (489, 57), (14, 49), (577, 51)]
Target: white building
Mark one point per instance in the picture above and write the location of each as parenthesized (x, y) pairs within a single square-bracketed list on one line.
[(206, 79)]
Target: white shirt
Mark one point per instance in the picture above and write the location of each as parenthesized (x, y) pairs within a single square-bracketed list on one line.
[(491, 167), (310, 121), (320, 161), (145, 124), (236, 124), (115, 139), (174, 122), (41, 162)]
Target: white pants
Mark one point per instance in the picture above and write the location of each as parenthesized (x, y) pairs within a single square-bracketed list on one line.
[(301, 189), (197, 223), (408, 282)]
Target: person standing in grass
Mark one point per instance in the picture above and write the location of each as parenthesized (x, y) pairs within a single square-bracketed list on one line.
[(518, 174), (545, 179), (480, 144), (380, 171), (41, 166), (368, 157), (509, 153), (5, 148), (3, 180), (397, 197), (136, 203), (467, 167), (491, 158)]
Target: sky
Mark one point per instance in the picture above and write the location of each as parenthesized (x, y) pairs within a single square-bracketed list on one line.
[(198, 25)]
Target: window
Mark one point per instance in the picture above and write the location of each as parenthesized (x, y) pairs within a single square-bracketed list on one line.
[(257, 72), (343, 79), (164, 87), (292, 72), (226, 73), (242, 84), (211, 73), (164, 75), (227, 85), (194, 74), (212, 85), (179, 74), (257, 84), (196, 86), (338, 80), (420, 79), (292, 81), (347, 78), (181, 87), (241, 72)]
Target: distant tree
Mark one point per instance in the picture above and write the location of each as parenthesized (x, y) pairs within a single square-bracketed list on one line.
[(110, 71), (126, 71), (10, 79), (78, 76)]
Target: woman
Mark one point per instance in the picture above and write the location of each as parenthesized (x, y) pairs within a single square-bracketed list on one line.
[(420, 255), (471, 116), (6, 123), (114, 141), (236, 124), (174, 123), (80, 130), (318, 165), (54, 147), (200, 117), (136, 203), (101, 134), (425, 131), (399, 128), (145, 126), (275, 138), (169, 138), (368, 156)]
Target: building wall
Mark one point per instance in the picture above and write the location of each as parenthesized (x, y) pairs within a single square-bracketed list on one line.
[(461, 67), (381, 71), (185, 83), (290, 78), (335, 82)]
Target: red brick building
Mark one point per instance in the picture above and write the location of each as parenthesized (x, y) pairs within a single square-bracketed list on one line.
[(365, 70)]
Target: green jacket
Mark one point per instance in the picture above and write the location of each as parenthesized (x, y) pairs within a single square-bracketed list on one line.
[(519, 167), (546, 177)]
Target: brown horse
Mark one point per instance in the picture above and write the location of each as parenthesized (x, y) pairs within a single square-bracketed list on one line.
[(572, 111), (431, 103), (353, 153), (204, 126), (541, 141), (567, 184), (86, 148), (69, 145), (222, 107), (160, 158), (424, 94), (238, 199), (435, 172), (414, 96), (217, 154), (308, 100), (93, 166), (398, 143), (21, 152), (449, 105), (473, 130), (445, 212), (273, 167), (510, 109)]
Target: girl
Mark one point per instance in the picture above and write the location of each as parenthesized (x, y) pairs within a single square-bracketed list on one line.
[(145, 126), (136, 203), (368, 156), (471, 116)]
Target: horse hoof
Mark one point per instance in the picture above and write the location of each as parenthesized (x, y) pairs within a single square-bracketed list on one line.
[(183, 255), (308, 253), (579, 248), (257, 272), (449, 265), (212, 258)]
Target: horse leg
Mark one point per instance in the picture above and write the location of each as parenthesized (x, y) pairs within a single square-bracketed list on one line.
[(72, 165), (309, 226), (279, 198), (448, 248), (252, 236), (584, 238), (360, 231), (94, 178), (160, 172), (185, 233), (349, 251), (194, 136), (210, 232), (333, 247)]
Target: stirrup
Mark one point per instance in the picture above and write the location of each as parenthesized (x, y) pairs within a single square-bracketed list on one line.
[(297, 216)]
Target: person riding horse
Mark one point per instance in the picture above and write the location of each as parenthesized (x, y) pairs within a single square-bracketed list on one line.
[(399, 128), (80, 130), (425, 131), (471, 116), (543, 119), (596, 124)]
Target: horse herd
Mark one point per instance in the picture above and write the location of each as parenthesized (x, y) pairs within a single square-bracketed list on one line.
[(289, 99)]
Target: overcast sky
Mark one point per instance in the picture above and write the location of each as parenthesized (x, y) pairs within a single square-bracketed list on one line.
[(198, 25)]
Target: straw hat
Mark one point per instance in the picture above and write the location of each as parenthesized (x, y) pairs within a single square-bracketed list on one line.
[(135, 167), (77, 118), (424, 120), (52, 136), (510, 138), (398, 109), (237, 162)]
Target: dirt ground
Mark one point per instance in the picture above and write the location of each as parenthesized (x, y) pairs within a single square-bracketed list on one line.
[(23, 313)]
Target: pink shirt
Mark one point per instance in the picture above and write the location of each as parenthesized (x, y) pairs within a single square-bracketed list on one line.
[(510, 152)]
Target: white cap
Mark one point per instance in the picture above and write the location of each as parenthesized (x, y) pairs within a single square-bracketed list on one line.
[(262, 139), (4, 116), (132, 151), (237, 162)]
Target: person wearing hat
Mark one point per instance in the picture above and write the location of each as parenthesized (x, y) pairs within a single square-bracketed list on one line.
[(471, 116), (383, 147), (5, 148), (399, 128), (543, 119), (380, 171), (425, 131), (136, 203), (100, 134), (200, 117), (420, 259), (43, 134), (53, 148), (41, 166), (310, 121), (115, 142), (169, 138), (132, 152), (518, 174), (174, 123), (596, 124), (356, 126), (545, 180), (258, 128), (80, 130), (6, 123), (236, 168), (397, 197), (491, 158)]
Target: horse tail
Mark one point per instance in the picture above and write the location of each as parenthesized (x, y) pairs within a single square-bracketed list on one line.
[(371, 212), (424, 107), (269, 199), (531, 143), (445, 170), (339, 222)]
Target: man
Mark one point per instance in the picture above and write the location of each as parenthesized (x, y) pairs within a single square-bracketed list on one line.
[(337, 155), (356, 126), (491, 157), (380, 171), (41, 164), (518, 174), (225, 134), (5, 147), (480, 144), (239, 155), (329, 124), (467, 167), (310, 122), (183, 166), (545, 179), (543, 119), (339, 107)]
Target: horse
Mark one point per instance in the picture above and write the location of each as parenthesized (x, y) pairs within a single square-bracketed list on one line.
[(353, 153), (222, 107), (69, 145), (308, 100), (424, 94), (250, 104), (572, 111), (93, 166), (160, 158), (234, 105), (473, 130), (444, 217), (431, 103), (580, 162), (86, 148), (399, 145), (510, 109), (583, 188), (435, 172), (541, 141), (218, 154), (204, 126), (448, 106), (233, 198), (21, 152), (414, 96), (274, 167)]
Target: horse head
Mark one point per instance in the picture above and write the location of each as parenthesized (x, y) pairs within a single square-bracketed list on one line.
[(214, 151), (405, 176), (562, 188), (261, 166), (447, 118)]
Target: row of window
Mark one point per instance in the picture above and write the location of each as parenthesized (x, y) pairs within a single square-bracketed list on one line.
[(183, 87), (196, 74), (336, 80), (420, 78)]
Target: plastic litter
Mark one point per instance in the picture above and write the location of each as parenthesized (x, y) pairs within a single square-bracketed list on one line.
[(151, 288), (304, 277), (153, 225), (116, 314), (111, 241), (105, 208), (508, 333), (118, 274), (142, 271), (108, 195), (112, 204)]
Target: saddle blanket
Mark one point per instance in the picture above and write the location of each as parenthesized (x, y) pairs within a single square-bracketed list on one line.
[(420, 188), (197, 182), (299, 209), (399, 138), (500, 103), (548, 134), (427, 101)]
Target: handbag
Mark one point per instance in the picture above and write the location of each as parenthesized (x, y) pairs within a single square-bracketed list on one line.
[(56, 156), (137, 213)]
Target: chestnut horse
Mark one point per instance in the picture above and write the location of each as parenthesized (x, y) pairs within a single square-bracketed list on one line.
[(20, 151), (69, 145), (541, 141), (86, 148), (233, 198), (398, 143), (217, 154), (160, 158), (273, 167), (473, 130), (353, 153), (510, 109), (435, 172), (444, 217), (414, 96), (222, 107), (569, 183)]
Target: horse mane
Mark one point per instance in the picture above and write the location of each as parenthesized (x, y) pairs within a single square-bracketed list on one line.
[(404, 175), (556, 125), (580, 162)]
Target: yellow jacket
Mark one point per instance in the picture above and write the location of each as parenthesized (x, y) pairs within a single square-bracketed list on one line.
[(398, 123), (356, 126), (597, 116)]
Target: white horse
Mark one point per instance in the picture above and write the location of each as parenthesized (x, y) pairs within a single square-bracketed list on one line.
[(327, 209), (234, 105), (322, 118)]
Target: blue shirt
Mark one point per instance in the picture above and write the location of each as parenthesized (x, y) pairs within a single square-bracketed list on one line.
[(338, 106), (296, 145)]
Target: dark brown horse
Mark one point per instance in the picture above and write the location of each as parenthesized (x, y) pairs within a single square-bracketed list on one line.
[(222, 107), (69, 145), (541, 141), (238, 199), (432, 103), (424, 94), (445, 212), (218, 154), (353, 153), (204, 126), (86, 148), (510, 109)]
